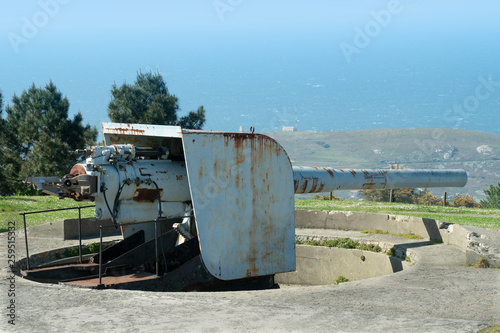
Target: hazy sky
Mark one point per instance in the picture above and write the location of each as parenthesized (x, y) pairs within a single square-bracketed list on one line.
[(218, 15)]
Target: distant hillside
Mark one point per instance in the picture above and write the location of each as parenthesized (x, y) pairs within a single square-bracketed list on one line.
[(477, 153)]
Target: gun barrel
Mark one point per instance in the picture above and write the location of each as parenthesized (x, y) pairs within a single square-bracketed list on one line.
[(316, 180)]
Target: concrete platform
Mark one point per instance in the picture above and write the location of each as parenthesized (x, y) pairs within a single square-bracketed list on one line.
[(437, 294), (68, 229)]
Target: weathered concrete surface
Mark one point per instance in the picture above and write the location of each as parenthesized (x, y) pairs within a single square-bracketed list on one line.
[(319, 265), (438, 294), (68, 229), (474, 241)]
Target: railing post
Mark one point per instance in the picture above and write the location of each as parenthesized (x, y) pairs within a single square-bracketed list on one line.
[(53, 210), (26, 240), (391, 196), (80, 234), (100, 255), (444, 200), (156, 248)]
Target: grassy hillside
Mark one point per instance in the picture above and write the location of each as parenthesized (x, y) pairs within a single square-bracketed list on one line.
[(485, 218), (10, 207), (477, 153)]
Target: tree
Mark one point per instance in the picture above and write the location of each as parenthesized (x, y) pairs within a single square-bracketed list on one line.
[(38, 138), (2, 151), (148, 101), (194, 120), (492, 197)]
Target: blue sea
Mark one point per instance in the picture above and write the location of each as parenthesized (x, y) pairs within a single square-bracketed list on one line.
[(271, 81)]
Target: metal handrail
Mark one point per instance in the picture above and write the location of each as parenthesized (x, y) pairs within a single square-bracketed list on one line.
[(101, 227), (49, 211)]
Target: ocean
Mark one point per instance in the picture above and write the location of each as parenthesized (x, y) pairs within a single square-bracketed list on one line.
[(267, 83)]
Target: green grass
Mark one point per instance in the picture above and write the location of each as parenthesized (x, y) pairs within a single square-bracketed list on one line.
[(483, 263), (344, 243), (88, 249), (493, 329), (10, 207), (341, 279), (380, 232), (486, 218)]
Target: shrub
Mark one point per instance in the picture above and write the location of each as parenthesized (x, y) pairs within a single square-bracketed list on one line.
[(482, 263), (402, 195), (465, 200), (376, 195), (492, 197), (428, 199), (325, 197)]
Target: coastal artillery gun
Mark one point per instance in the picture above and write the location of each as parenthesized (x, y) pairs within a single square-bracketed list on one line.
[(200, 210)]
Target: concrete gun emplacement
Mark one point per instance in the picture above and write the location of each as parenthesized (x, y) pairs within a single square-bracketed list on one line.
[(201, 210)]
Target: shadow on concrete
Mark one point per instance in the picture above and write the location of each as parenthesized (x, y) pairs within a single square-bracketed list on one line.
[(401, 252), (396, 263), (432, 229)]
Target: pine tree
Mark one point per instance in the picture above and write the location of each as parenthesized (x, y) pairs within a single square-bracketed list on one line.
[(38, 138), (148, 101), (492, 197), (194, 120)]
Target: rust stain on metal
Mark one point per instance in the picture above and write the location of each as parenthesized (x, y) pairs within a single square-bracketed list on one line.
[(237, 179), (353, 172), (314, 185), (302, 188), (341, 170), (144, 173), (77, 169), (113, 281), (125, 131), (330, 172), (237, 138), (200, 171), (146, 194), (368, 186), (178, 177), (321, 186)]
